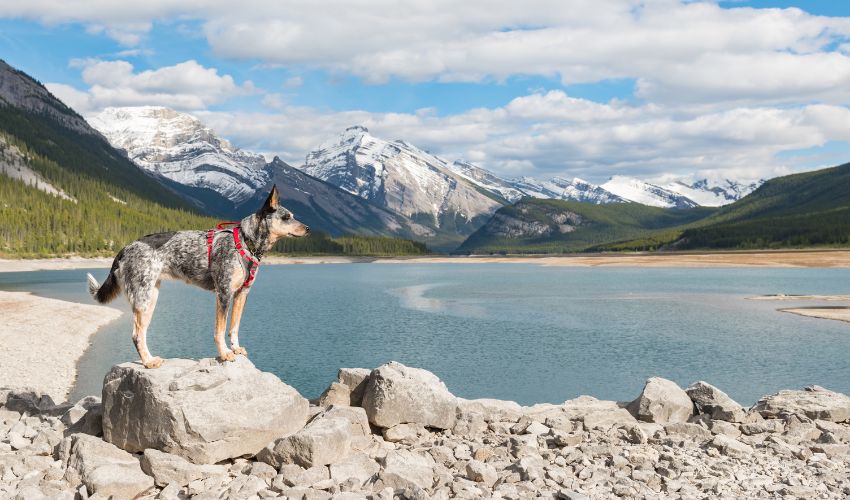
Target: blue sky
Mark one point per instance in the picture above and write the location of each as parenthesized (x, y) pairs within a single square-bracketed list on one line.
[(651, 89)]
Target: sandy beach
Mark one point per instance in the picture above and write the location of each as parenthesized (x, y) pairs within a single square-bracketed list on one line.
[(43, 339), (834, 313), (788, 258)]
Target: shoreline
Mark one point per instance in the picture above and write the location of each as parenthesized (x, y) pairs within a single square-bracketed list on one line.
[(767, 258), (44, 340)]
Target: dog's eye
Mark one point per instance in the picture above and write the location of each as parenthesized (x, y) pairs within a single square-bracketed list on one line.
[(287, 216)]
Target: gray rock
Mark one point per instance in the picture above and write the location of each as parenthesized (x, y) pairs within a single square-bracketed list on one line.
[(662, 401), (356, 380), (492, 410), (481, 472), (166, 468), (731, 447), (31, 401), (814, 402), (205, 411), (323, 441), (592, 412), (336, 394), (715, 403), (105, 469), (397, 394), (412, 467), (404, 433), (85, 416), (358, 466)]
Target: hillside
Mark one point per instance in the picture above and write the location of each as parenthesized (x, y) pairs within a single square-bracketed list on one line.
[(808, 209), (555, 226), (800, 210), (64, 189)]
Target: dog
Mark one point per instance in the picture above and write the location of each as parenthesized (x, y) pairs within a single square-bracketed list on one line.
[(224, 261)]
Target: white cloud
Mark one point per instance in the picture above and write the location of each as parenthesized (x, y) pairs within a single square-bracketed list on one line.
[(294, 81), (552, 133), (185, 86), (679, 51), (717, 89)]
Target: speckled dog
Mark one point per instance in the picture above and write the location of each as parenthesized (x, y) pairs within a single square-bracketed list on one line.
[(216, 264)]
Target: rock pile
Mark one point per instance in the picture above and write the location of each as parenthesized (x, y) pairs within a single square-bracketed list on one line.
[(201, 429)]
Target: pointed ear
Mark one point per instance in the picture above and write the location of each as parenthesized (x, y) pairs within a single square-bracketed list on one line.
[(272, 202)]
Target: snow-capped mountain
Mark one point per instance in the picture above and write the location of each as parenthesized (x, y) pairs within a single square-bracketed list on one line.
[(181, 149), (488, 180), (399, 177), (559, 188), (713, 192), (636, 190)]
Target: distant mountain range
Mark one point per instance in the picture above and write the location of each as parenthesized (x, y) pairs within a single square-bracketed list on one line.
[(408, 191), (357, 183), (800, 210)]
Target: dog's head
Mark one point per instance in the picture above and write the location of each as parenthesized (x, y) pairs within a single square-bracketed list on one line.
[(279, 221)]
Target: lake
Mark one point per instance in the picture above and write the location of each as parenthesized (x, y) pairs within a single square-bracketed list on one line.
[(510, 331)]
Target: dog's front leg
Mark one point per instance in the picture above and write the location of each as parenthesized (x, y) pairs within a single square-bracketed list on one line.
[(221, 305), (235, 317)]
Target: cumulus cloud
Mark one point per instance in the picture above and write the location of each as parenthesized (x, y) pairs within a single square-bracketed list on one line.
[(677, 50), (717, 89), (184, 86), (555, 134)]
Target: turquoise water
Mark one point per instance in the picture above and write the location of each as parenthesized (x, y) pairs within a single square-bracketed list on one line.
[(509, 331)]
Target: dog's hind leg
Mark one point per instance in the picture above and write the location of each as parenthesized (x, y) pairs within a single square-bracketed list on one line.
[(141, 319), (221, 305), (235, 317)]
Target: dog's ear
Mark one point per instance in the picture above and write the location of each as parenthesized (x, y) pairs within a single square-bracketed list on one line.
[(272, 202)]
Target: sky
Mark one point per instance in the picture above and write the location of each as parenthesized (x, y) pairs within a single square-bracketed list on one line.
[(655, 89)]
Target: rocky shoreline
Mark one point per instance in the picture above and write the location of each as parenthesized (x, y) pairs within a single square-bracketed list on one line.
[(204, 429)]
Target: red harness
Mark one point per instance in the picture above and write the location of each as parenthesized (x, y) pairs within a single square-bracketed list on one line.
[(252, 263)]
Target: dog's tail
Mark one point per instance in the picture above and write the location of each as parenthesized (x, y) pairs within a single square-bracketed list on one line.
[(110, 288)]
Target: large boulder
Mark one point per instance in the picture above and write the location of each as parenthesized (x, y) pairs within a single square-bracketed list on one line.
[(814, 402), (105, 469), (715, 403), (397, 394), (205, 411), (325, 440), (662, 401)]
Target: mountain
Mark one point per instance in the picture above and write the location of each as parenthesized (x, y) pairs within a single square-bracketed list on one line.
[(328, 209), (712, 193), (64, 188), (404, 179), (557, 226), (638, 191), (677, 193), (559, 188), (179, 148), (812, 208), (488, 180), (206, 169)]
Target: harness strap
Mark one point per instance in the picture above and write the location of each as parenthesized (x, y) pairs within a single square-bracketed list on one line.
[(252, 262)]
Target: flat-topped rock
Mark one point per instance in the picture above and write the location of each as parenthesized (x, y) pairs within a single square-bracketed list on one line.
[(397, 394), (205, 411), (814, 402)]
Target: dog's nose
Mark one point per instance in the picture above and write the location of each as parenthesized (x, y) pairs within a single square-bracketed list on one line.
[(306, 229)]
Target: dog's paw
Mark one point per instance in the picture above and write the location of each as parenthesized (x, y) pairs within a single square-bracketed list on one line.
[(240, 351), (154, 362), (228, 356)]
